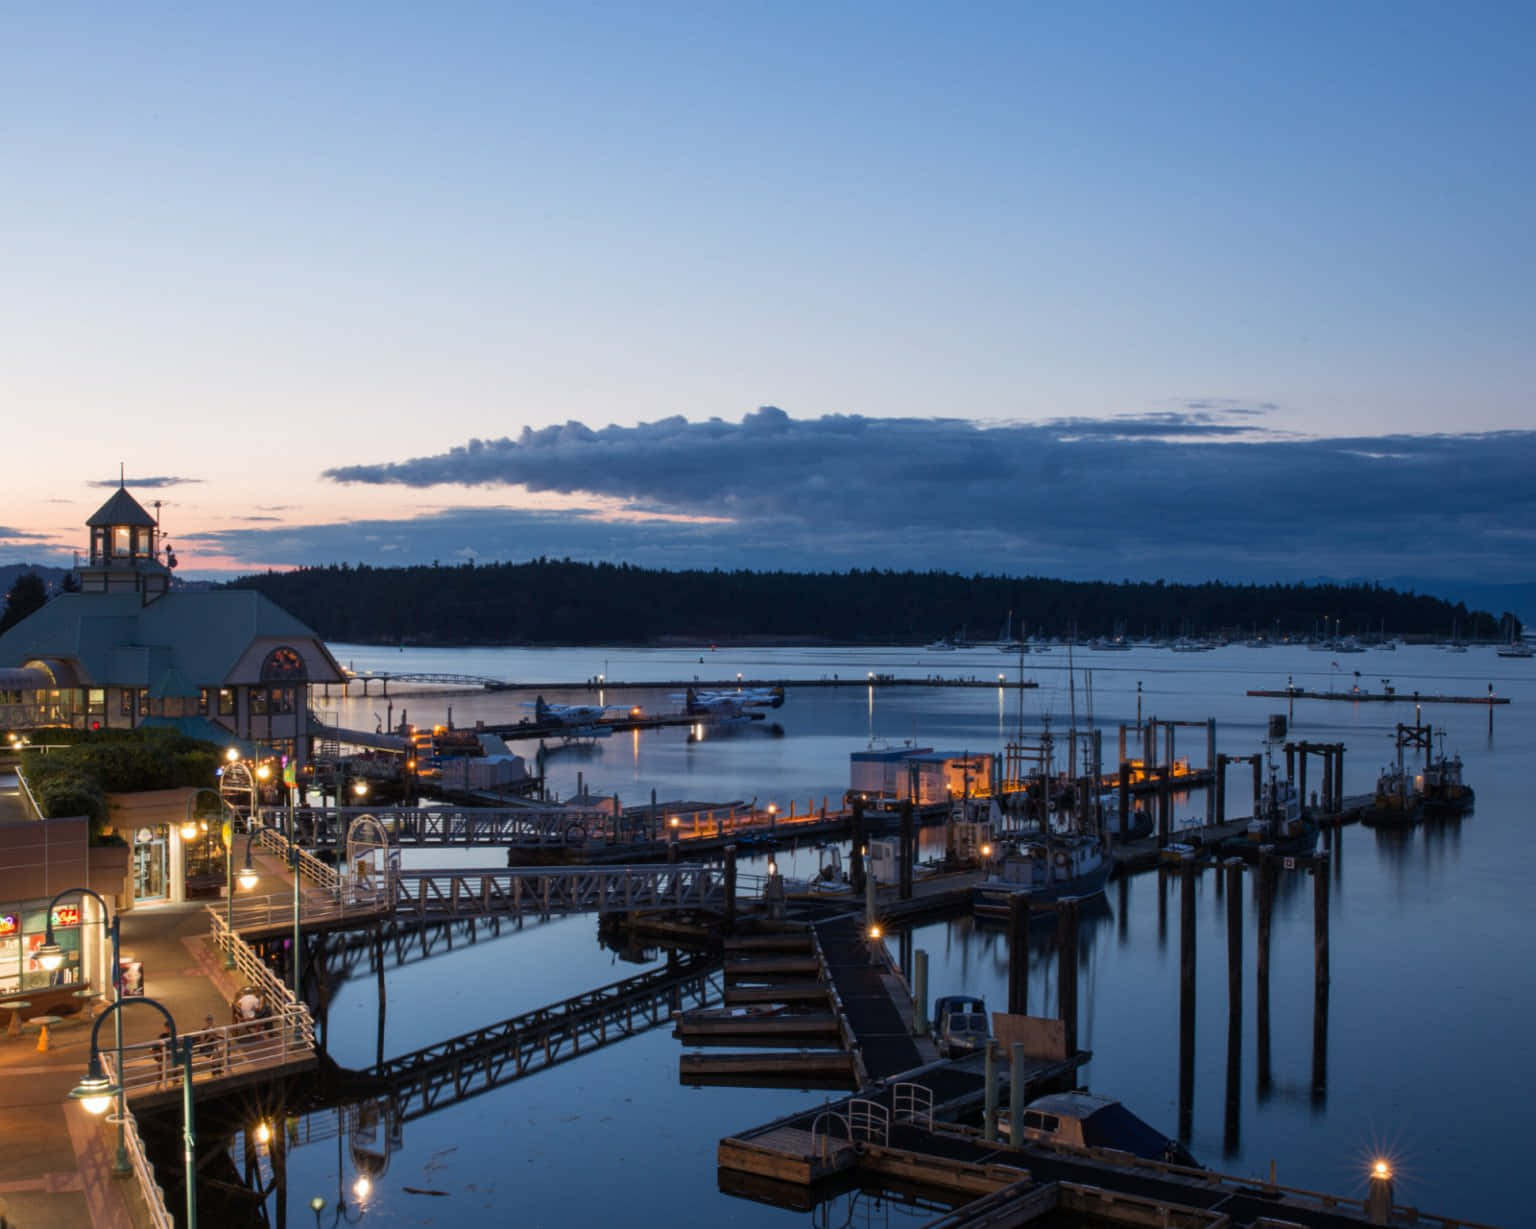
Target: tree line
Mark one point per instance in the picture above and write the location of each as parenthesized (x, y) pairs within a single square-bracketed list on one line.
[(559, 601)]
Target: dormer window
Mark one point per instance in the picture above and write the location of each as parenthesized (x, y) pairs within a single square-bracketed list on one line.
[(283, 663)]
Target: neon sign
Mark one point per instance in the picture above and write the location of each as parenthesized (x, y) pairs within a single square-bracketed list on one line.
[(66, 915), (8, 924)]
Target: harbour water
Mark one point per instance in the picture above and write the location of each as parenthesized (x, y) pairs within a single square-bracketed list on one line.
[(1430, 1053)]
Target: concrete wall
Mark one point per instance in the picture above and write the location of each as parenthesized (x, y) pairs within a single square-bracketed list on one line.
[(41, 857)]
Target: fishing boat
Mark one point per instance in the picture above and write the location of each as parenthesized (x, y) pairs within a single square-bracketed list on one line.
[(1043, 872), (1281, 826), (1444, 792), (960, 1024), (1399, 799), (1082, 1121)]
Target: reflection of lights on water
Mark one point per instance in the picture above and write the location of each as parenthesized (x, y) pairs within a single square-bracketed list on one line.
[(362, 1188)]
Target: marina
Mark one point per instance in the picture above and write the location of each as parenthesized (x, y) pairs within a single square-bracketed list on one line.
[(766, 1016)]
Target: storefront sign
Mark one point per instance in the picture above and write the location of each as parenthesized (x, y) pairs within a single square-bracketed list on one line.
[(66, 915), (9, 924)]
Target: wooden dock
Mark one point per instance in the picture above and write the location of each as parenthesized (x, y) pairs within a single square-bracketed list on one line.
[(1357, 695)]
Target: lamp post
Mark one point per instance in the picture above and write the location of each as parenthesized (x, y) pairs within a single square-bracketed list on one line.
[(95, 1091), (51, 956), (342, 1214), (247, 879)]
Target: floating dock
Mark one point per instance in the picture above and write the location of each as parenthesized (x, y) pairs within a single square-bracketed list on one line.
[(1357, 695)]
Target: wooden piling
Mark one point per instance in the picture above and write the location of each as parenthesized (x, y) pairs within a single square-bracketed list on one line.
[(856, 858), (1219, 788), (1066, 976), (1186, 997), (1234, 1097), (1301, 780), (1338, 776), (1164, 807), (1210, 762), (920, 994), (1327, 780), (1125, 789), (1264, 885), (730, 889), (908, 855), (1320, 975), (1018, 956)]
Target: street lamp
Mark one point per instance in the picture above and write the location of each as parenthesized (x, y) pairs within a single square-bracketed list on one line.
[(95, 1091), (247, 879), (341, 1213), (360, 789), (51, 956)]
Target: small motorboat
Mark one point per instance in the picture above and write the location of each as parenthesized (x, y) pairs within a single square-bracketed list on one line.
[(960, 1024), (1082, 1121)]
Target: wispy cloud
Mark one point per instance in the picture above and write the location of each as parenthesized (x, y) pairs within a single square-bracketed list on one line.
[(8, 534), (152, 483)]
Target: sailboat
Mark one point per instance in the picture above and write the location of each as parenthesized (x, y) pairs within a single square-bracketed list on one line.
[(1005, 641)]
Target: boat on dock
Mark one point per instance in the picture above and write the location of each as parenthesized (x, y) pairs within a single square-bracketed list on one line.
[(1282, 825), (1083, 1121), (960, 1024), (1043, 872)]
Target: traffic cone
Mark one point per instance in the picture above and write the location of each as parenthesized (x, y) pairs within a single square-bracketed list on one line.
[(42, 1038)]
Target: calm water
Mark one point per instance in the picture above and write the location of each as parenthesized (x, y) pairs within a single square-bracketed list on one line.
[(1430, 1050)]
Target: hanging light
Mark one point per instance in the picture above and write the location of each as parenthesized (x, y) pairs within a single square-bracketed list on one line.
[(95, 1092), (50, 956), (189, 830)]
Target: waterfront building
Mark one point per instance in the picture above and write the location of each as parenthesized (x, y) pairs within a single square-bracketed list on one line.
[(129, 649)]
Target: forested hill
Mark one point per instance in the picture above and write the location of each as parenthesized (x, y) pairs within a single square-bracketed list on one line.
[(551, 601)]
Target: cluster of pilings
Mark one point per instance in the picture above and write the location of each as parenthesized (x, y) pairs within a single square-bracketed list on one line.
[(1228, 877)]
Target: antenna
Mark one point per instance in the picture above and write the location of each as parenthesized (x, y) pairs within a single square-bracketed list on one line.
[(121, 480)]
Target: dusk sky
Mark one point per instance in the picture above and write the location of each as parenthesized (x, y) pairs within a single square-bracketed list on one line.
[(1120, 290)]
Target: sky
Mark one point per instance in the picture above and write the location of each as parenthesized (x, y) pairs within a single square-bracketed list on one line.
[(1093, 290)]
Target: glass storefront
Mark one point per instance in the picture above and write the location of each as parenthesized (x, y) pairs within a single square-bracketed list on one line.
[(24, 929), (151, 863)]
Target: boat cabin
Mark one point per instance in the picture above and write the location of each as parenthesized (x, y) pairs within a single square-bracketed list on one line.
[(960, 1024), (1082, 1120)]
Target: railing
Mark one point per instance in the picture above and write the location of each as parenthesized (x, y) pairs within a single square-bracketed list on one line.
[(582, 889), (143, 1172), (261, 912), (151, 1067), (869, 1121), (253, 971), (913, 1103), (26, 790), (310, 866)]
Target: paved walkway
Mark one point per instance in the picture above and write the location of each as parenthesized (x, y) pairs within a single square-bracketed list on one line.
[(55, 1166)]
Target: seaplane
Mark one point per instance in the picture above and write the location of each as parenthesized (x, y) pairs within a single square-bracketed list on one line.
[(567, 715), (730, 703)]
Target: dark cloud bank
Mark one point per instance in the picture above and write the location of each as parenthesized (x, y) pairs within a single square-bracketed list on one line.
[(1198, 493)]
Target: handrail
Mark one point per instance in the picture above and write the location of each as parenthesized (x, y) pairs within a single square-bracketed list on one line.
[(269, 910), (143, 1172), (21, 779), (251, 967), (150, 1066), (310, 866)]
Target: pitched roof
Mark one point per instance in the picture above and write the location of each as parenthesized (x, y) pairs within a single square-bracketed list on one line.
[(119, 642), (121, 509)]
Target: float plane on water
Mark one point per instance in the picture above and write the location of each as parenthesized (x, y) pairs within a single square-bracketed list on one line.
[(566, 714), (730, 703)]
